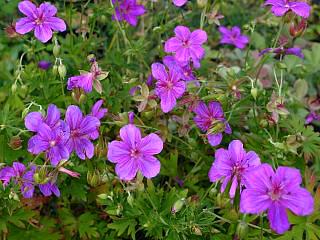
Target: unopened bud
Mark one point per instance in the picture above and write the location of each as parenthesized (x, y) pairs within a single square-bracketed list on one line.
[(62, 70), (254, 93), (55, 70), (93, 178), (242, 230), (202, 3), (56, 50), (177, 206), (130, 200), (14, 88), (15, 142)]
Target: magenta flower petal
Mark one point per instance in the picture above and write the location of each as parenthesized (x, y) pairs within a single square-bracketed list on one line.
[(118, 151), (159, 71), (126, 170), (302, 9), (150, 166), (215, 139), (53, 115), (48, 9), (28, 9), (130, 134), (73, 116), (278, 218), (254, 202), (198, 37), (151, 144), (33, 120), (84, 148), (179, 3), (172, 45), (56, 24), (43, 33), (183, 33), (24, 25)]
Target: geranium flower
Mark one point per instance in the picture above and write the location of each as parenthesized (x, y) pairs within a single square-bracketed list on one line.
[(186, 45), (210, 119), (82, 130), (276, 192), (169, 87), (233, 37), (185, 71), (48, 188), (134, 153), (281, 7), (284, 51), (44, 65), (52, 142), (128, 10), (27, 186), (179, 3), (34, 120), (99, 113), (232, 165), (40, 19), (16, 171), (88, 80)]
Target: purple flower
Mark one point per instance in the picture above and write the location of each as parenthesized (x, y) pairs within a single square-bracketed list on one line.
[(27, 186), (16, 171), (169, 87), (83, 81), (312, 116), (82, 130), (284, 51), (49, 188), (232, 165), (186, 45), (134, 153), (97, 111), (275, 192), (44, 65), (88, 80), (40, 19), (128, 10), (179, 3), (210, 119), (185, 71), (35, 119), (52, 142), (233, 37), (281, 7)]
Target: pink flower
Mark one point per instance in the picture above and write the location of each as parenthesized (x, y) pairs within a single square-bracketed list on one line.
[(276, 192), (179, 3), (134, 153), (186, 45), (40, 19), (233, 37), (232, 165), (169, 86)]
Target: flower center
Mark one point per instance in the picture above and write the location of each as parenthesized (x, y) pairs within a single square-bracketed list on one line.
[(169, 85), (185, 43), (237, 171), (135, 153), (52, 143), (275, 193), (39, 20)]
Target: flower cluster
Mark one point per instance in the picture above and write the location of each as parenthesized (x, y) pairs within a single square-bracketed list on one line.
[(59, 138), (261, 188)]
